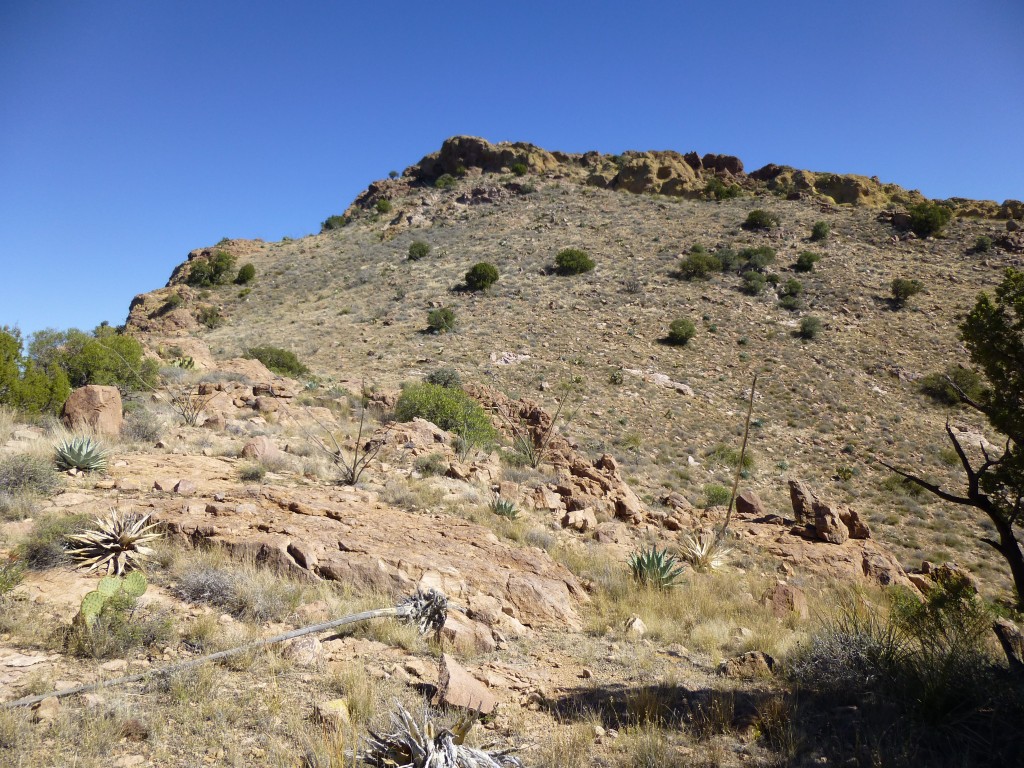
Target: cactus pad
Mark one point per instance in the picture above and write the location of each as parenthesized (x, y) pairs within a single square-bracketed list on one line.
[(92, 604), (134, 584), (108, 585)]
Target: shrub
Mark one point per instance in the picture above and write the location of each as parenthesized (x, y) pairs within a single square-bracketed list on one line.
[(927, 219), (46, 544), (903, 289), (246, 274), (333, 222), (716, 495), (728, 258), (983, 244), (681, 331), (945, 387), (22, 473), (699, 266), (444, 377), (719, 190), (211, 270), (392, 174), (383, 206), (26, 384), (759, 219), (418, 250), (450, 409), (806, 260), (12, 571), (481, 276), (431, 464), (278, 360), (210, 316), (246, 593), (503, 507), (756, 258), (573, 261), (445, 181), (105, 357), (140, 425), (252, 473), (441, 320), (753, 283), (791, 303), (820, 231), (810, 327), (791, 287), (173, 302), (520, 169)]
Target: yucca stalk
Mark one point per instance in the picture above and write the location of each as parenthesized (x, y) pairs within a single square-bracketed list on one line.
[(82, 453), (410, 745), (655, 567), (118, 543)]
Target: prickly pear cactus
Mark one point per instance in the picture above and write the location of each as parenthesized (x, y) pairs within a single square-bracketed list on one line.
[(108, 585), (92, 604), (134, 584)]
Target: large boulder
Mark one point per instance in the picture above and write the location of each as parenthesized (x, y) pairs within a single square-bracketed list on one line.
[(96, 408)]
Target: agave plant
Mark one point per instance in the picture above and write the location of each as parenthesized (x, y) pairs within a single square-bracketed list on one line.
[(655, 567), (119, 542), (503, 507), (705, 551), (82, 453), (429, 746)]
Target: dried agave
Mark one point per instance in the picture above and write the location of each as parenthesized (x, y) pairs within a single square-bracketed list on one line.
[(82, 453), (655, 567), (705, 551), (118, 542), (413, 746)]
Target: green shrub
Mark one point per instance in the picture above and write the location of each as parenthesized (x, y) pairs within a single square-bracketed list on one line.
[(820, 231), (29, 385), (119, 627), (983, 244), (442, 320), (790, 303), (393, 174), (716, 495), (756, 258), (903, 289), (211, 270), (450, 409), (759, 219), (719, 190), (792, 287), (444, 377), (278, 360), (246, 274), (418, 250), (520, 169), (810, 327), (699, 266), (104, 357), (383, 206), (943, 387), (46, 544), (445, 181), (681, 331), (333, 222), (173, 302), (927, 219), (728, 258), (753, 283), (573, 261), (252, 473), (730, 457), (431, 464), (481, 276), (210, 316), (12, 571), (806, 260)]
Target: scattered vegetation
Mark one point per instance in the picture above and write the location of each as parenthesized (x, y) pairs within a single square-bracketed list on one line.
[(759, 219), (441, 320), (418, 250), (383, 206), (450, 409), (820, 231), (25, 473), (929, 219), (211, 270), (719, 190), (573, 261), (445, 181), (481, 276), (681, 331), (903, 289), (210, 316), (278, 360), (46, 544)]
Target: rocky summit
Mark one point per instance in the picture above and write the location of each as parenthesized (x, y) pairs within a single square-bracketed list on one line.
[(532, 381)]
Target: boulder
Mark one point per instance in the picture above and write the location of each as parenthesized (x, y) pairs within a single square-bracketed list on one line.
[(785, 599), (748, 665), (261, 448), (1012, 640), (802, 500), (858, 528), (467, 635), (457, 688), (749, 503), (828, 525), (580, 520), (95, 408)]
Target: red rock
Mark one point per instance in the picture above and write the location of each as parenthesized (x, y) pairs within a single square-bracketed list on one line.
[(785, 599), (467, 635), (749, 503), (261, 448), (95, 408), (457, 688)]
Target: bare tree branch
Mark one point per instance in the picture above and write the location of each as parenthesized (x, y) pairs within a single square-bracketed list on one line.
[(931, 487)]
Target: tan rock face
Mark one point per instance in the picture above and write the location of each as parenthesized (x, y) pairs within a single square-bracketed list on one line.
[(457, 688), (95, 408)]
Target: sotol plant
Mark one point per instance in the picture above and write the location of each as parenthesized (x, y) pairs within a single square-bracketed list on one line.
[(655, 567), (81, 453), (119, 542), (705, 551)]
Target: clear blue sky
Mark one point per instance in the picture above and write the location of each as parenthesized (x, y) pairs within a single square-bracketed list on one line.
[(132, 132)]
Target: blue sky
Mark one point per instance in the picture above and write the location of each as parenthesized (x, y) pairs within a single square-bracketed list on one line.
[(132, 132)]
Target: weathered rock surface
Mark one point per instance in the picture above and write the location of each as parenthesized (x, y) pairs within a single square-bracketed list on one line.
[(457, 688), (95, 408)]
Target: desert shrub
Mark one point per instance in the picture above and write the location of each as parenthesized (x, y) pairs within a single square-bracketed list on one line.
[(105, 357), (12, 571), (333, 222), (442, 320), (790, 303), (431, 464), (172, 303), (810, 327), (753, 283), (519, 169), (211, 270), (25, 384), (903, 289), (450, 409), (119, 627), (927, 219), (806, 260), (140, 425), (445, 181), (681, 331), (792, 287), (716, 495), (719, 190), (945, 388), (756, 258), (820, 231), (23, 473), (573, 261), (210, 316), (759, 219), (728, 258), (278, 360), (246, 274), (46, 544), (730, 457), (418, 250), (252, 594), (383, 206), (655, 568), (699, 266), (481, 276), (444, 377), (983, 244)]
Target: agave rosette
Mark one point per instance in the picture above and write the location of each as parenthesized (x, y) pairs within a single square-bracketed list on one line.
[(119, 542)]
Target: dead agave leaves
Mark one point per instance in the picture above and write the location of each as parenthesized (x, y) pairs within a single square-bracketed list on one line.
[(119, 542)]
